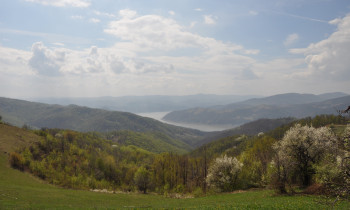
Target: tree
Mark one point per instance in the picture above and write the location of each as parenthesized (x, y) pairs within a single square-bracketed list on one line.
[(142, 179), (256, 159), (223, 173), (301, 148), (334, 170)]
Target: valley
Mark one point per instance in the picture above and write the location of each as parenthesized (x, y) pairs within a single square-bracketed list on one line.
[(128, 155), (135, 104), (202, 127)]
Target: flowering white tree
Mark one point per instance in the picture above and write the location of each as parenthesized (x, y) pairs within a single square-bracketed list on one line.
[(334, 170), (346, 145), (300, 149), (223, 173)]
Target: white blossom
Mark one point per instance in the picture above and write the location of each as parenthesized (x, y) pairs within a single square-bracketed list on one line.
[(223, 173)]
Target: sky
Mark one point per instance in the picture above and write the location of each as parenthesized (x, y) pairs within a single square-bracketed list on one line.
[(89, 48)]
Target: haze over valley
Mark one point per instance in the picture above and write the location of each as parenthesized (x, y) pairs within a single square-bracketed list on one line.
[(213, 112)]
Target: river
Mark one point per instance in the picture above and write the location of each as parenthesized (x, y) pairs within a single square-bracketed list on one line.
[(202, 127)]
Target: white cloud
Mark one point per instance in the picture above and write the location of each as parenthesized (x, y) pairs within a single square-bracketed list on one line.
[(291, 39), (171, 12), (253, 13), (335, 21), (45, 61), (14, 62), (127, 13), (193, 23), (210, 19), (62, 3), (198, 9), (58, 44), (49, 37), (153, 32), (94, 20), (251, 52), (142, 62), (77, 17), (329, 58), (247, 74), (99, 13)]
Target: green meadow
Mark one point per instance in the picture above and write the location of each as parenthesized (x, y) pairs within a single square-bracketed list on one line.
[(20, 190)]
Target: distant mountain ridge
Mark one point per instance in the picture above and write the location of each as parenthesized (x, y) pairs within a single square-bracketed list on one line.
[(153, 103), (277, 106), (292, 98), (20, 112)]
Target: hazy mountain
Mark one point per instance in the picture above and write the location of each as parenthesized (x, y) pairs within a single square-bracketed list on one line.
[(278, 106), (251, 128), (20, 112), (292, 98), (156, 103)]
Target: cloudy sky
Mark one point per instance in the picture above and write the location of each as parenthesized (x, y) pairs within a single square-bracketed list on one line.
[(91, 48)]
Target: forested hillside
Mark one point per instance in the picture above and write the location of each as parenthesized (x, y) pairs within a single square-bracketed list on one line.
[(151, 141), (38, 115), (234, 144), (250, 128), (280, 106), (88, 161)]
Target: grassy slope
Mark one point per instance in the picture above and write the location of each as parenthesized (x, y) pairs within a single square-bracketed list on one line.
[(12, 137)]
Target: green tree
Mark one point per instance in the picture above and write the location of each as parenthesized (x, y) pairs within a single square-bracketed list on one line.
[(142, 179), (256, 159)]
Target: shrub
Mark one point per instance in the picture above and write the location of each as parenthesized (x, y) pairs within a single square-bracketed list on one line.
[(17, 161), (198, 192)]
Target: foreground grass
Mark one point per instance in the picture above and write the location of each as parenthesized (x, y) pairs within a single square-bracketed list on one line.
[(20, 190)]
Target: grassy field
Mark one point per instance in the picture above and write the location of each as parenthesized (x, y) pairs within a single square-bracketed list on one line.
[(19, 190)]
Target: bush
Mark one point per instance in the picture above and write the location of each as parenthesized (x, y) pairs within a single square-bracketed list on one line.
[(198, 192), (180, 188), (17, 161)]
